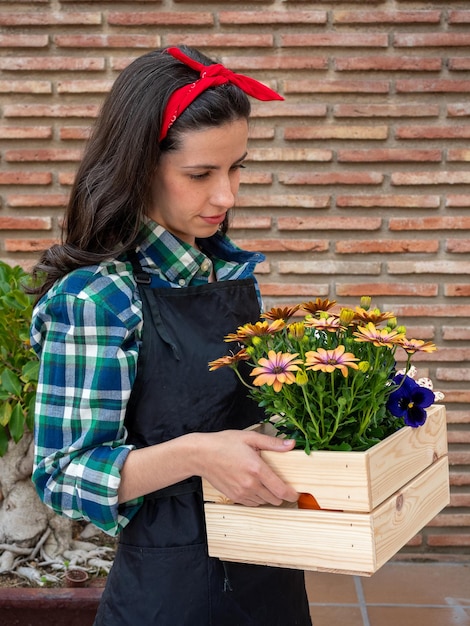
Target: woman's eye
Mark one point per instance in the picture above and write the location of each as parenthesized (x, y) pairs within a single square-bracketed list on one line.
[(199, 176)]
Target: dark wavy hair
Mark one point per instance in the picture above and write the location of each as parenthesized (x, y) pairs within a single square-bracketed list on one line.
[(111, 191)]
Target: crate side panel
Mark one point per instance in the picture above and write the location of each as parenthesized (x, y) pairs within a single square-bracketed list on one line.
[(399, 458), (404, 514), (298, 539)]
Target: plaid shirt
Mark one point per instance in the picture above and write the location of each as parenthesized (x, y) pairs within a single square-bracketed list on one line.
[(86, 331)]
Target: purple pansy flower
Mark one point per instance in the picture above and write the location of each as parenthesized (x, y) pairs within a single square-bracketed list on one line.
[(409, 400)]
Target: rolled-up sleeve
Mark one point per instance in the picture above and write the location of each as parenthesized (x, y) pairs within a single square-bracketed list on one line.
[(88, 350)]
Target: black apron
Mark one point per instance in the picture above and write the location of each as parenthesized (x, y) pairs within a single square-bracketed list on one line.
[(162, 574)]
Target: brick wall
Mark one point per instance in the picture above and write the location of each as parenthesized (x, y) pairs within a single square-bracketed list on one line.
[(359, 183)]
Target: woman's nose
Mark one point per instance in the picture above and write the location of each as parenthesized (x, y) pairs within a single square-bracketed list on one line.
[(224, 193)]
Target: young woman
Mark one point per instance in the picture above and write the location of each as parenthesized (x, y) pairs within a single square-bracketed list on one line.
[(135, 303)]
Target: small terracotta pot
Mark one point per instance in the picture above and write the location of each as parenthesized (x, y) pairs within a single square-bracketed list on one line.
[(75, 578)]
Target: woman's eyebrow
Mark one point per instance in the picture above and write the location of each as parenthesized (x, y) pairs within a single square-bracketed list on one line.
[(208, 166)]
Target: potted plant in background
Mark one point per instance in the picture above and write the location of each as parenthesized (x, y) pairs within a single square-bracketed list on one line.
[(329, 381), (37, 547)]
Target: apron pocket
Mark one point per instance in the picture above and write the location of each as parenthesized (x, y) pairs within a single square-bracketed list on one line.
[(157, 586)]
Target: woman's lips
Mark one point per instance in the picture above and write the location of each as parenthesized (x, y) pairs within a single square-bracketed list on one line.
[(214, 219)]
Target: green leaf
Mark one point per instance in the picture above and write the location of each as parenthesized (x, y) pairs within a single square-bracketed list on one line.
[(30, 371), (30, 412), (5, 413), (3, 441), (16, 425), (11, 382)]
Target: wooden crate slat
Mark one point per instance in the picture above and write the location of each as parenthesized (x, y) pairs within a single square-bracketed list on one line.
[(397, 520), (348, 543)]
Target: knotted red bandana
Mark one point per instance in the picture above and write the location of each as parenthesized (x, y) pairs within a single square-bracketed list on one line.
[(210, 76)]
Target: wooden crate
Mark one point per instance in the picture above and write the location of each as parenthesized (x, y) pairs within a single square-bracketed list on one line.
[(372, 503)]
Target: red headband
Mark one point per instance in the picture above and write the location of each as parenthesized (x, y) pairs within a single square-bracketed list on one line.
[(210, 76)]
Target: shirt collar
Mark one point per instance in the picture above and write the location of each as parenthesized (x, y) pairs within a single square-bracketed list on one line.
[(180, 263)]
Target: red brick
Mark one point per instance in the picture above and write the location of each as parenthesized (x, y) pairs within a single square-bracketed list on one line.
[(458, 110), (336, 86), (432, 86), (428, 267), (25, 178), (458, 154), (387, 289), (25, 132), (386, 17), (433, 311), (23, 41), (432, 132), (433, 40), (456, 333), (280, 109), (272, 17), (460, 539), (458, 17), (290, 200), (74, 132), (266, 62), (25, 223), (261, 132), (386, 110), (28, 245), (431, 178), (54, 64), (336, 132), (297, 290), (66, 178), (386, 246), (459, 479), (455, 374), (53, 110), (107, 41), (13, 156), (459, 246), (25, 86), (332, 178), (84, 86), (459, 499), (457, 201), (335, 40), (221, 40), (394, 201), (289, 154), (458, 64), (457, 290), (388, 64), (256, 178), (37, 200), (388, 155), (329, 267), (283, 245), (50, 18), (250, 222), (329, 223), (160, 18)]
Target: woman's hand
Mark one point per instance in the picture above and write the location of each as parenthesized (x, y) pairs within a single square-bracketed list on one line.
[(231, 462)]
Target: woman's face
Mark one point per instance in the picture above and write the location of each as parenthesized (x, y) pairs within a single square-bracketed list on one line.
[(194, 187)]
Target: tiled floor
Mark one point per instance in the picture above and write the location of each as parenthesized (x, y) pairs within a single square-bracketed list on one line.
[(399, 594)]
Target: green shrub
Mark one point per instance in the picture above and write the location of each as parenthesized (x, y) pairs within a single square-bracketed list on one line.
[(19, 366)]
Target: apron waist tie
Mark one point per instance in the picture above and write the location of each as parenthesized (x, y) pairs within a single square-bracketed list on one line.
[(192, 485)]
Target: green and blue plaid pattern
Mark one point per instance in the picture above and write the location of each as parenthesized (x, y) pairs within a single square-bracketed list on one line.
[(87, 331)]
